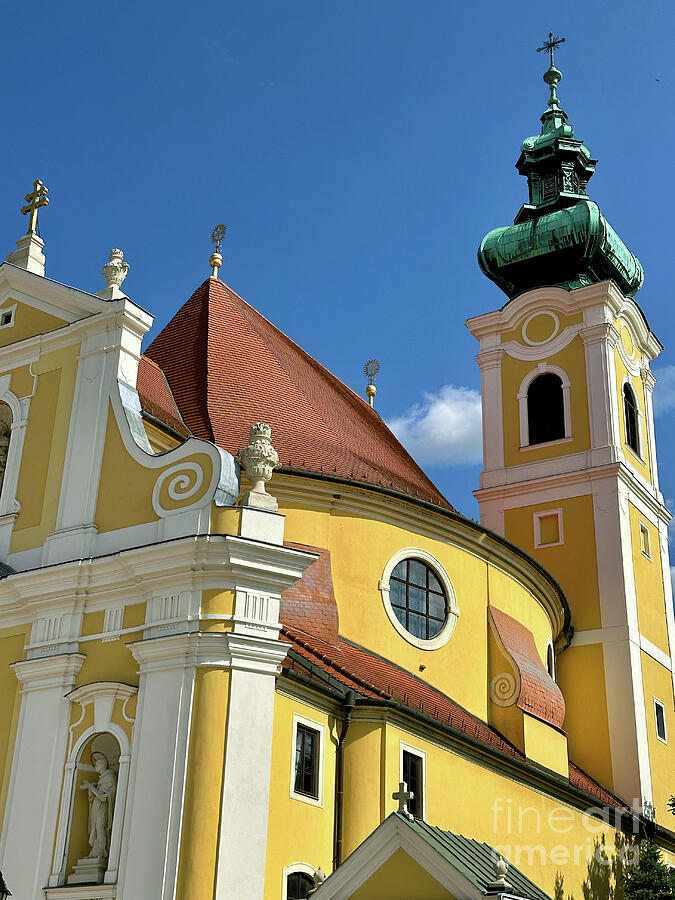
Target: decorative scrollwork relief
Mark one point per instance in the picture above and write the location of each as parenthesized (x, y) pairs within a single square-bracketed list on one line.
[(179, 487)]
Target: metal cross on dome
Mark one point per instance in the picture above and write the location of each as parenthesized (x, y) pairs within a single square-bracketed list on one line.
[(403, 795), (551, 45), (36, 199)]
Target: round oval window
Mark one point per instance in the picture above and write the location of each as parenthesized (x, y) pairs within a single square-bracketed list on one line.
[(417, 599)]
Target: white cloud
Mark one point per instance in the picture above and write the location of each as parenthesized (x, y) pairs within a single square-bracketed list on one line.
[(664, 392), (444, 429)]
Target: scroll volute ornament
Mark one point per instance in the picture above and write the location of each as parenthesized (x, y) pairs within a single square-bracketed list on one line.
[(259, 460)]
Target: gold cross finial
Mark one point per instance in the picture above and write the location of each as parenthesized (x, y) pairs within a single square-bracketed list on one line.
[(37, 198)]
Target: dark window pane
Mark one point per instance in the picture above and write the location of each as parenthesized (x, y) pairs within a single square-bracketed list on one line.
[(298, 886), (434, 583), (400, 571), (631, 417), (417, 625), (437, 607), (545, 409), (413, 777), (401, 615), (434, 628), (417, 572), (397, 593), (306, 761), (417, 599)]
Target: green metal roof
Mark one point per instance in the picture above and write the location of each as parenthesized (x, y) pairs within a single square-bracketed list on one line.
[(559, 237), (473, 860)]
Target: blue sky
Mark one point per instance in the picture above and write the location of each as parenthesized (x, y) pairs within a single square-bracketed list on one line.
[(358, 153)]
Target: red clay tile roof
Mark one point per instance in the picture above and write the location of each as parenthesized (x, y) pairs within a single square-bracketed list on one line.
[(539, 695), (377, 678), (156, 397), (228, 367)]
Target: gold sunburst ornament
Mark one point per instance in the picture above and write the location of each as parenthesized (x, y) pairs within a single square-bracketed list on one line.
[(371, 368), (216, 260)]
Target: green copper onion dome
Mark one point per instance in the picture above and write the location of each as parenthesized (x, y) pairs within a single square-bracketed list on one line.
[(559, 237)]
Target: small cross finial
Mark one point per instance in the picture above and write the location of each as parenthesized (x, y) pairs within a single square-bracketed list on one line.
[(403, 795), (216, 260), (551, 45), (36, 199)]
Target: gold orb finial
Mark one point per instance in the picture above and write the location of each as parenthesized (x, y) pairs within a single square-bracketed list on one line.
[(216, 259), (371, 368)]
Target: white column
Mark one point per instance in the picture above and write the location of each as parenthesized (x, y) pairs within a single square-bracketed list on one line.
[(149, 861), (37, 772), (246, 778)]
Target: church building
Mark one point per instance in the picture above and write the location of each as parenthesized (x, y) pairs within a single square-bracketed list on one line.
[(248, 649)]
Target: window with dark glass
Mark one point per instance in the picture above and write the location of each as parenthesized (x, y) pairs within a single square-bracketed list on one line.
[(545, 409), (306, 761), (418, 599), (298, 886), (413, 775), (550, 662), (660, 714), (631, 416)]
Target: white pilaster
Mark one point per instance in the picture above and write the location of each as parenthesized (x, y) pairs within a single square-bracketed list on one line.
[(599, 341), (246, 778), (490, 364), (37, 771), (149, 859)]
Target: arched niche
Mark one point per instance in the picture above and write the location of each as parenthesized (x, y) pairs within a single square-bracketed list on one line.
[(108, 737), (93, 808)]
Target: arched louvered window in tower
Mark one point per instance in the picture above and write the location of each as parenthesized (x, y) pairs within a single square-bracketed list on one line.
[(630, 412), (545, 409)]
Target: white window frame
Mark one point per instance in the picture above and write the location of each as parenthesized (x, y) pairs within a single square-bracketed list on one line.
[(643, 528), (445, 633), (542, 369), (303, 868), (421, 754), (536, 518), (658, 703), (319, 727), (12, 316)]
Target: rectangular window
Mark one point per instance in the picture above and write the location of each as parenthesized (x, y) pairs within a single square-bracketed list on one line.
[(412, 772), (307, 760), (645, 543), (548, 528), (660, 714), (7, 317)]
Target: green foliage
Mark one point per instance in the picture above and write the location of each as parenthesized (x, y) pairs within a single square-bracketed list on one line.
[(650, 879), (671, 805)]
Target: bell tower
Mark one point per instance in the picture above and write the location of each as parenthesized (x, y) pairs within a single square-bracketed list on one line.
[(570, 469)]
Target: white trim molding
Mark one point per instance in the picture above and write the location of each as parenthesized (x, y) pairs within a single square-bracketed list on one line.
[(452, 609), (320, 729), (544, 514)]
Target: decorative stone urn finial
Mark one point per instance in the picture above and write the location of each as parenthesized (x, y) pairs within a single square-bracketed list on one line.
[(500, 884), (114, 272), (259, 460)]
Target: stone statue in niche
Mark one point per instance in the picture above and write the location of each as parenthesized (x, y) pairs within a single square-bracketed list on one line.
[(101, 806)]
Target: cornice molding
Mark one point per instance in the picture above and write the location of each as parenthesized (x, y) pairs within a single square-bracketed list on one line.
[(49, 671)]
